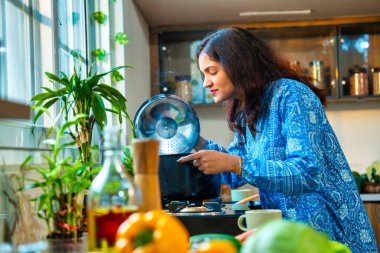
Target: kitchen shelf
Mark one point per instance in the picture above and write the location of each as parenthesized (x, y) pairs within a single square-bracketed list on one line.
[(329, 48)]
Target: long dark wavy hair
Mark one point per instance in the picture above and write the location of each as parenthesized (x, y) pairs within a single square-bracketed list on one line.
[(250, 64)]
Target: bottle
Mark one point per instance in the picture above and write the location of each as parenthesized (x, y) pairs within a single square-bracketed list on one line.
[(112, 196)]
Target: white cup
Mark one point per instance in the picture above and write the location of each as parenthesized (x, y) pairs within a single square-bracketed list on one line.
[(240, 194), (255, 218)]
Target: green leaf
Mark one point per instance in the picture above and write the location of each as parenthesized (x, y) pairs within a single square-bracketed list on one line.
[(121, 38), (26, 161), (99, 111), (75, 17), (99, 53), (116, 76), (77, 55), (93, 80), (52, 77), (45, 106), (99, 17)]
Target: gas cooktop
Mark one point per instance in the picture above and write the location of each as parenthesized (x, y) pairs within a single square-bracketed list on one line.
[(209, 217)]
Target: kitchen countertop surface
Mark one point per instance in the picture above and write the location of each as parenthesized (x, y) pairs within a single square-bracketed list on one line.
[(370, 197)]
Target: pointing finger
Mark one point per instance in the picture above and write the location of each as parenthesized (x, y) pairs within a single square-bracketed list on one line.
[(184, 159)]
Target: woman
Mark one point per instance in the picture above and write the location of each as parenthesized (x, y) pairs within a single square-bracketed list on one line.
[(283, 143)]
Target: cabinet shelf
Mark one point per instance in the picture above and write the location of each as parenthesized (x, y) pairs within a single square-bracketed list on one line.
[(334, 50)]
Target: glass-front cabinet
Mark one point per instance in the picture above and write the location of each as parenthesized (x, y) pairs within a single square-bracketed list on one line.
[(359, 60), (342, 59), (312, 50)]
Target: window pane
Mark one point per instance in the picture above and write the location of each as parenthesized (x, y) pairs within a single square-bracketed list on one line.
[(72, 35), (16, 51)]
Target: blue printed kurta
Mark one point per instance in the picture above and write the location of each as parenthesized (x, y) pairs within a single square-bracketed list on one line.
[(297, 164)]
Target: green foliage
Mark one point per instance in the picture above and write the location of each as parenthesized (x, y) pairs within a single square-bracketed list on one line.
[(99, 53), (360, 180), (373, 172), (127, 160), (116, 76), (82, 96), (121, 38), (99, 17), (60, 178)]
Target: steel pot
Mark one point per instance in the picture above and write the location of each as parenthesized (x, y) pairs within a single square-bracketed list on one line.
[(184, 181), (175, 124)]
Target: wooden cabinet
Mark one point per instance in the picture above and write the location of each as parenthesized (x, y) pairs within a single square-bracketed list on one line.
[(336, 50), (373, 211)]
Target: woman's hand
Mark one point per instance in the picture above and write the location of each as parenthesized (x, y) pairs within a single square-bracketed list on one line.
[(244, 236), (213, 162)]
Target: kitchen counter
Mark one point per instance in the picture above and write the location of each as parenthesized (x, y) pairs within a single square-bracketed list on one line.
[(370, 197), (221, 223)]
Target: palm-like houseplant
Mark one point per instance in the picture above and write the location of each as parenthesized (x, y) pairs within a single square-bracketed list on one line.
[(82, 96), (62, 180)]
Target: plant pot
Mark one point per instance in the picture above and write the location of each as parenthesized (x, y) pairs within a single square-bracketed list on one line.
[(371, 188), (67, 245)]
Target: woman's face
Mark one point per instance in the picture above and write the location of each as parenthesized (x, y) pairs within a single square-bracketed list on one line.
[(215, 79)]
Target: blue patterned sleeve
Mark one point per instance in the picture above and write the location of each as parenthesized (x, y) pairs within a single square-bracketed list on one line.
[(294, 161), (231, 179), (299, 130)]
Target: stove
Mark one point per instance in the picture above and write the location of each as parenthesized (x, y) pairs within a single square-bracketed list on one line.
[(208, 216)]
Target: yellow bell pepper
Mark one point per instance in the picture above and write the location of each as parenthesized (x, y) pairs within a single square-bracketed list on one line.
[(217, 246), (150, 232)]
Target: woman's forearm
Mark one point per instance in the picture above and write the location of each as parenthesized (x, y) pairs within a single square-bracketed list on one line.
[(200, 145)]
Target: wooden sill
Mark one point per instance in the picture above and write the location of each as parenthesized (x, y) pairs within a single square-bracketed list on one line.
[(12, 110)]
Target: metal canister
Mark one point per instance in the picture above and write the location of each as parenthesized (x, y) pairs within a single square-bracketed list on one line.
[(376, 80), (358, 82), (183, 88), (316, 71)]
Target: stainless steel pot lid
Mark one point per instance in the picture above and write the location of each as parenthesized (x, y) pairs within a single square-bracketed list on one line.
[(169, 119)]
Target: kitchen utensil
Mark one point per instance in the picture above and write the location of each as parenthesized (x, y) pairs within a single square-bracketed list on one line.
[(358, 82), (175, 124), (169, 119), (256, 218), (250, 198), (145, 159), (183, 181)]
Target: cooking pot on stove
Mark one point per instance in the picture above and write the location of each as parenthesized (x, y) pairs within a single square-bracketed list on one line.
[(175, 124)]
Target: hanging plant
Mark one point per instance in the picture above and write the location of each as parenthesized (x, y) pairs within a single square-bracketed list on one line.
[(99, 53), (77, 55), (99, 17), (75, 17), (121, 38), (116, 76)]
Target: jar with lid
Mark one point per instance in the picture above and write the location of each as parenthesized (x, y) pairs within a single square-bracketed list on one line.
[(183, 88), (316, 72), (358, 82), (376, 80), (112, 196)]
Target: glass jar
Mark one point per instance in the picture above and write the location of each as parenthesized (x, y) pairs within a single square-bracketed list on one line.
[(358, 82), (183, 88), (376, 80), (316, 72), (112, 196)]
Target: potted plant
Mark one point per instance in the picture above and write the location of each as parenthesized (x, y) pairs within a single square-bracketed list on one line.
[(82, 96), (62, 180)]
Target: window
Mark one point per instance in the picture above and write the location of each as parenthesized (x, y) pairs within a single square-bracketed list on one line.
[(38, 36)]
